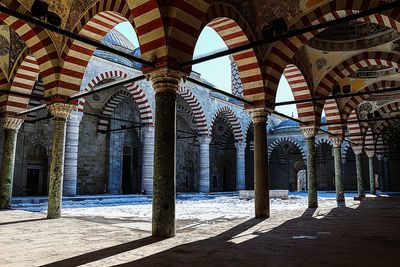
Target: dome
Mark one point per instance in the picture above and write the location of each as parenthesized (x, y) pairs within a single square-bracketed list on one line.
[(287, 124), (117, 40)]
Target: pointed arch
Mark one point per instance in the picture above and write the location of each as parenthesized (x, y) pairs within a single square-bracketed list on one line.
[(111, 74), (333, 116), (282, 52), (386, 112), (275, 143), (198, 112), (234, 123), (320, 141), (300, 91), (354, 128), (369, 141)]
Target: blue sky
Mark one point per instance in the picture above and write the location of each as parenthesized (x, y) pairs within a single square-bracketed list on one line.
[(217, 71)]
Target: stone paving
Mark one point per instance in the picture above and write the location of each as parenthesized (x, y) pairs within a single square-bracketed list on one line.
[(365, 234)]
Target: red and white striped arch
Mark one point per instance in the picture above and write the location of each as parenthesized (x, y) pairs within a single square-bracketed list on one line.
[(136, 94), (332, 113), (197, 109), (369, 142), (354, 129), (300, 91), (234, 31), (112, 74), (386, 112), (23, 82), (144, 15), (40, 45), (380, 146), (354, 101), (282, 52), (234, 122)]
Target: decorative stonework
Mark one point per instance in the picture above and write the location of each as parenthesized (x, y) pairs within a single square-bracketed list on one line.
[(310, 132), (357, 149), (12, 123), (370, 153), (336, 142), (165, 80), (61, 110), (258, 115)]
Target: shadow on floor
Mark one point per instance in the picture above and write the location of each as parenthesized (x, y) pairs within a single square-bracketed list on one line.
[(22, 221), (365, 236)]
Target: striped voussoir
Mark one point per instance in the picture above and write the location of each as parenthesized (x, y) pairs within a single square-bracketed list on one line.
[(354, 63), (41, 47), (234, 123), (23, 82), (300, 91), (234, 32), (354, 129), (354, 101), (112, 74), (133, 91), (320, 141), (197, 109), (369, 142), (332, 113), (249, 131), (380, 146), (274, 144), (386, 112), (77, 54), (283, 51)]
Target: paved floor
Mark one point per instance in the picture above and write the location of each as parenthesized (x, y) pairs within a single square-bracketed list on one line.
[(366, 234)]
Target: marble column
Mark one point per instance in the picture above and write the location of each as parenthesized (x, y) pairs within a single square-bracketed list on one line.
[(147, 159), (371, 168), (11, 127), (381, 171), (240, 165), (261, 181), (204, 166), (310, 133), (360, 184), (166, 85), (61, 112), (71, 154), (337, 156), (386, 173)]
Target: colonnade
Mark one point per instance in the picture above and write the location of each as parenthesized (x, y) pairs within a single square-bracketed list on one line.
[(159, 158)]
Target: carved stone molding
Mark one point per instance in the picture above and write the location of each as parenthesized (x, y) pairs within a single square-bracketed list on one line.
[(258, 115), (357, 150), (61, 110), (336, 142), (370, 153), (12, 123), (310, 131), (204, 139), (165, 80)]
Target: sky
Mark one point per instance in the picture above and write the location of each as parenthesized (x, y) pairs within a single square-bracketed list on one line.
[(218, 71)]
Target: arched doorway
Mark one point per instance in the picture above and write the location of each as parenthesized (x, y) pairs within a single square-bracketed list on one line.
[(285, 162), (222, 156), (37, 171), (325, 167)]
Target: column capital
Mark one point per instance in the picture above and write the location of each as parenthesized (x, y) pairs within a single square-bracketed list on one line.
[(357, 150), (259, 114), (379, 156), (336, 142), (75, 117), (310, 131), (370, 153), (11, 123), (165, 80), (61, 110), (204, 139), (240, 145)]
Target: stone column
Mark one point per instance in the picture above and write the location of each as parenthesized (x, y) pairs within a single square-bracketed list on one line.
[(261, 181), (240, 165), (310, 133), (11, 127), (371, 168), (381, 171), (71, 154), (166, 85), (386, 172), (61, 112), (204, 166), (360, 184), (147, 159), (337, 155)]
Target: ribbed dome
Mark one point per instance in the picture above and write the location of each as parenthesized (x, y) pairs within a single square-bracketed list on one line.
[(117, 40)]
